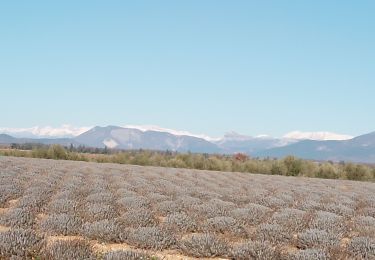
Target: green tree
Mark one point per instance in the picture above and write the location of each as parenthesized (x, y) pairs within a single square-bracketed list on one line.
[(356, 172), (278, 168), (57, 152), (293, 165)]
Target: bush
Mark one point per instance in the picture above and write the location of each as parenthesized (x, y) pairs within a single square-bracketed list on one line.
[(98, 211), (8, 192), (315, 238), (368, 211), (136, 202), (224, 225), (69, 249), (292, 219), (100, 197), (273, 202), (156, 197), (33, 202), (338, 209), (273, 233), (61, 224), (364, 221), (254, 250), (204, 245), (18, 218), (19, 242), (362, 247), (128, 255), (214, 208), (293, 165), (328, 221), (103, 230), (57, 152), (186, 201), (136, 218), (279, 168), (356, 172), (151, 238), (60, 206), (251, 214), (327, 171), (167, 207), (181, 222), (309, 254)]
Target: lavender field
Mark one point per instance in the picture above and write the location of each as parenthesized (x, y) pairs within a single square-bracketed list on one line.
[(77, 210)]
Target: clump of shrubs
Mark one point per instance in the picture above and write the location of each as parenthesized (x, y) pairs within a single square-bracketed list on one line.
[(328, 221), (251, 214), (362, 247), (204, 245), (61, 224), (69, 249), (315, 238), (100, 197), (313, 254), (186, 202), (136, 218), (19, 242), (291, 219), (164, 208), (227, 225), (60, 206), (181, 222), (98, 211), (338, 209), (103, 230), (214, 208), (8, 192), (151, 238), (135, 202), (261, 250), (128, 255), (18, 218), (273, 233)]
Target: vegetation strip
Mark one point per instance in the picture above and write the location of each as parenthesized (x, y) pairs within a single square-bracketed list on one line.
[(288, 166)]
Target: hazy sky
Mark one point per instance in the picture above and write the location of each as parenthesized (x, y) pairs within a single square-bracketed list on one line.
[(257, 67)]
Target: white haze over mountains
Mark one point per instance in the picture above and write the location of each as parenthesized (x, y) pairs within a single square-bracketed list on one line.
[(73, 131), (318, 136), (45, 131), (155, 128)]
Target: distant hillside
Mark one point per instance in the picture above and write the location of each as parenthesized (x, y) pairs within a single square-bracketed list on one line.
[(358, 149), (7, 139), (127, 138)]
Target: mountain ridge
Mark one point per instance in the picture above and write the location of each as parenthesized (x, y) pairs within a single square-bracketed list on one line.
[(357, 149)]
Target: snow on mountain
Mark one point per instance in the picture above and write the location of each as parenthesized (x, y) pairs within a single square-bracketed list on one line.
[(317, 136), (234, 136), (110, 143), (73, 131), (155, 128), (45, 132)]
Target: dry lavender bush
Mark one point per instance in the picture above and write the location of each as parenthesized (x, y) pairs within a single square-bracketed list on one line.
[(72, 210)]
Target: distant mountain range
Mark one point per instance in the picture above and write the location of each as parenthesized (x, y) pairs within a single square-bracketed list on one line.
[(131, 138), (357, 149)]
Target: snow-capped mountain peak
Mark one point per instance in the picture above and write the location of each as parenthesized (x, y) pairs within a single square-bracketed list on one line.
[(45, 131), (155, 128), (318, 136)]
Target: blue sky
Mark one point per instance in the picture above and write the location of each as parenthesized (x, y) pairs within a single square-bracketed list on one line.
[(256, 67)]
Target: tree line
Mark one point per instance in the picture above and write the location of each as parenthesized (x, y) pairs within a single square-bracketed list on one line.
[(288, 166)]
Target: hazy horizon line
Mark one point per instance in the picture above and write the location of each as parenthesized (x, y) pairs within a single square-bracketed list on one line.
[(68, 130)]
